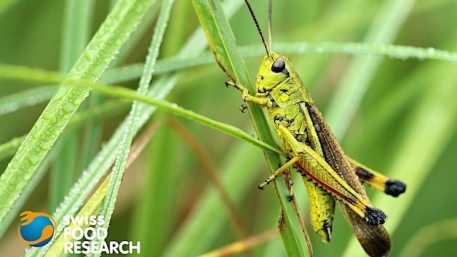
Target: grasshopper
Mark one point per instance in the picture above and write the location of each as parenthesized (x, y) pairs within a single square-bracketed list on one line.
[(328, 174)]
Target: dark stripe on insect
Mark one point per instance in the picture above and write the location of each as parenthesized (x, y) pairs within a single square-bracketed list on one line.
[(264, 90), (363, 174), (329, 155)]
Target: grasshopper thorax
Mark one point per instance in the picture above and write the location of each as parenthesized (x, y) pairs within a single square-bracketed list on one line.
[(273, 71)]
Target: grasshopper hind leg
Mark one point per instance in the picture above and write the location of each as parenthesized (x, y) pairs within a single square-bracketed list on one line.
[(377, 180), (282, 170), (322, 214), (278, 172)]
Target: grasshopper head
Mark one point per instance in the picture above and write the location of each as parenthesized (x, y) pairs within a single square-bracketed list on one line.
[(274, 70)]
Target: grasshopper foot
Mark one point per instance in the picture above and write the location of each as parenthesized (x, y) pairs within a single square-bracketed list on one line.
[(229, 83), (261, 185), (290, 197)]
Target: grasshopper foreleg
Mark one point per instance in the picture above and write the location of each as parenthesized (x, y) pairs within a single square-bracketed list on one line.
[(236, 85), (247, 97)]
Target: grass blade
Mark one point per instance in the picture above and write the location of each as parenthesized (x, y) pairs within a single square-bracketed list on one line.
[(75, 37), (222, 43), (134, 115)]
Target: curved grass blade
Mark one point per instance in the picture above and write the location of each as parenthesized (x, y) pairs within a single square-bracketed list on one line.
[(29, 97), (124, 93), (156, 101), (133, 71)]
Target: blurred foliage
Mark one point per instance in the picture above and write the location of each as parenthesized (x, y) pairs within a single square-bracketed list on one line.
[(404, 126)]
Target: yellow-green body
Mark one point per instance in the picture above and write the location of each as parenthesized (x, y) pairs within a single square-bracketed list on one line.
[(290, 112), (327, 172)]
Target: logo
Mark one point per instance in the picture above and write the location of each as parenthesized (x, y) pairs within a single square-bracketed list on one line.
[(36, 228), (86, 234)]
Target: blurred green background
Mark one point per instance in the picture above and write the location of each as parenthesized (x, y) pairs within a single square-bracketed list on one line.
[(404, 125)]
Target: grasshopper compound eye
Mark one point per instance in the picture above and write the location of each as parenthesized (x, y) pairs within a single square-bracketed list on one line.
[(279, 66)]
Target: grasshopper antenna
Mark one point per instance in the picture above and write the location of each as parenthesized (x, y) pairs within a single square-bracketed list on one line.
[(258, 26), (269, 23)]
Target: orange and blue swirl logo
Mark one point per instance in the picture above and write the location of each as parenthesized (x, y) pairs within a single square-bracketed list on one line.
[(36, 228)]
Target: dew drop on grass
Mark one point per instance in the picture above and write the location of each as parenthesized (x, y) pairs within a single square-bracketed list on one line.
[(33, 159), (68, 107), (88, 56)]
